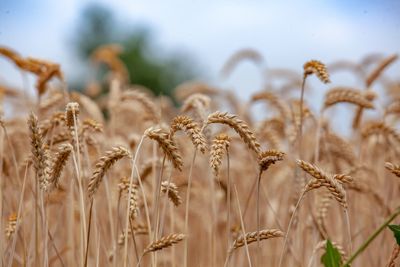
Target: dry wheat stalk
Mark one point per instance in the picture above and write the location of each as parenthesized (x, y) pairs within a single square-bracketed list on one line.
[(274, 100), (167, 144), (393, 108), (347, 95), (393, 168), (56, 119), (219, 145), (374, 128), (252, 237), (269, 157), (39, 152), (187, 89), (318, 68), (173, 193), (241, 55), (108, 55), (336, 145), (326, 180), (103, 165), (191, 128), (238, 125), (200, 103), (144, 99), (43, 69), (52, 101), (275, 124), (59, 138), (271, 137), (379, 69), (59, 162), (137, 229), (164, 242)]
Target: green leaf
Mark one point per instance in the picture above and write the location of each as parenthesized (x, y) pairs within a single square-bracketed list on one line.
[(332, 257), (396, 231)]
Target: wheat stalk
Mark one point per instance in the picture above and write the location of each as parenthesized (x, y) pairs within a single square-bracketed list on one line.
[(148, 105)]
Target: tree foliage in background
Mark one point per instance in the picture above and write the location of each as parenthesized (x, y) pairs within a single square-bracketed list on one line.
[(147, 64)]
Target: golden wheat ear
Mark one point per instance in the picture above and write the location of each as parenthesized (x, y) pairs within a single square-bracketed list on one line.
[(191, 128), (167, 144), (173, 193), (39, 152), (238, 125), (317, 68), (252, 237), (164, 242), (103, 165)]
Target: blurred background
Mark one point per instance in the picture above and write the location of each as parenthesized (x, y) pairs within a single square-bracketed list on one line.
[(168, 42)]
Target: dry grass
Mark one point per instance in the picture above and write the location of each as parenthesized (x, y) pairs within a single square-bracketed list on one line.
[(78, 188)]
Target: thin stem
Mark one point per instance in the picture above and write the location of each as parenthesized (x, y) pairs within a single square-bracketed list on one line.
[(348, 230), (18, 222), (88, 233), (134, 240), (318, 137), (243, 232), (82, 205), (258, 219), (228, 200), (372, 237), (134, 168), (289, 226), (301, 116), (187, 209), (156, 215)]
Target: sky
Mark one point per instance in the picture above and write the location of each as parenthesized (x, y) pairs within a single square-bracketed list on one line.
[(286, 33)]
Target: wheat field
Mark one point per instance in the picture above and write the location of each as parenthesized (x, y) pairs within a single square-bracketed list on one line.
[(128, 178)]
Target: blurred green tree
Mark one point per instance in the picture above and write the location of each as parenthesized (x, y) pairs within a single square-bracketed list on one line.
[(147, 65)]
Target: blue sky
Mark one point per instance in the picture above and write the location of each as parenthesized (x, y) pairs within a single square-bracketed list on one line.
[(287, 33)]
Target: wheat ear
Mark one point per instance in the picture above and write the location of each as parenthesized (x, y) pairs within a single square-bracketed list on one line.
[(167, 144), (191, 128), (103, 165), (61, 158), (393, 168), (172, 190), (162, 243), (39, 152), (219, 146), (347, 95), (238, 125), (252, 237)]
